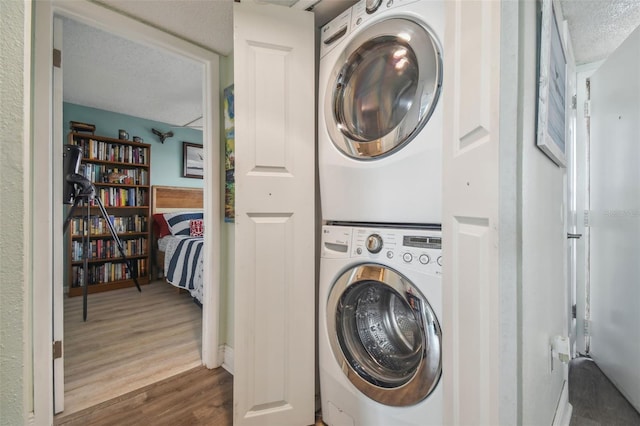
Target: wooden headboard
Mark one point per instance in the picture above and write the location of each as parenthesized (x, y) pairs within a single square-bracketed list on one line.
[(165, 199)]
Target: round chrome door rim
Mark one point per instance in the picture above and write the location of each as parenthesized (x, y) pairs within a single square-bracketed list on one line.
[(424, 101), (427, 374)]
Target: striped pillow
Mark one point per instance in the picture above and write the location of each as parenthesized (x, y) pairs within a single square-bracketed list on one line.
[(179, 223)]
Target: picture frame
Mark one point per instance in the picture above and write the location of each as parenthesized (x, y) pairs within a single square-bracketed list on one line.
[(552, 84), (193, 160), (229, 155)]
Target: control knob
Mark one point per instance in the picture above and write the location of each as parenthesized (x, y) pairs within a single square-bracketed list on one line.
[(372, 5), (374, 243)]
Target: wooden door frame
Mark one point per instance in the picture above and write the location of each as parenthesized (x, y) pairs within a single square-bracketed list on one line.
[(41, 239)]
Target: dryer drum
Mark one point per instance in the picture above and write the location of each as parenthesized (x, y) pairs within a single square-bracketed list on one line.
[(376, 89), (383, 88), (381, 334), (383, 328)]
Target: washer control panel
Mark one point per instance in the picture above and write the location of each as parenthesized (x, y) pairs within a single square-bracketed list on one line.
[(419, 249)]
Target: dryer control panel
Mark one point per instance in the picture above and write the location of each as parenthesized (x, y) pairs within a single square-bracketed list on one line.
[(419, 249), (334, 31)]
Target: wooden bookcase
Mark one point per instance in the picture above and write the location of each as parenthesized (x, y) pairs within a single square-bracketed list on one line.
[(120, 170)]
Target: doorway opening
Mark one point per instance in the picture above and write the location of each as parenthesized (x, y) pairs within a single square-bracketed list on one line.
[(48, 159), (130, 339)]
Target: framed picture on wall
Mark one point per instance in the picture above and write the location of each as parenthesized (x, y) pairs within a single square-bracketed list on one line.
[(193, 160), (552, 83), (229, 155)]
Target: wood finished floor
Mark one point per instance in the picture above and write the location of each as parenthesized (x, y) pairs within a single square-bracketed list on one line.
[(130, 340), (137, 361), (196, 397)]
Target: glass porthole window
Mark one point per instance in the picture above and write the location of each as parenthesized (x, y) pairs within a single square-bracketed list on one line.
[(383, 88), (387, 334), (380, 334)]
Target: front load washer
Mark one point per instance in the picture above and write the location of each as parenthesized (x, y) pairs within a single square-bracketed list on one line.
[(380, 113), (378, 328)]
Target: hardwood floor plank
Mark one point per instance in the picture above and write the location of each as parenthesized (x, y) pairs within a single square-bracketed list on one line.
[(196, 397), (130, 340)]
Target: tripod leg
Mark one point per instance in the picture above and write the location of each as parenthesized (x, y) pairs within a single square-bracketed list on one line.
[(70, 214), (85, 263), (114, 234)]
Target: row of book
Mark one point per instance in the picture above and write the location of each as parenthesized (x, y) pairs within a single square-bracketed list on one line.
[(108, 272), (107, 248), (123, 197), (110, 151), (97, 225), (100, 173)]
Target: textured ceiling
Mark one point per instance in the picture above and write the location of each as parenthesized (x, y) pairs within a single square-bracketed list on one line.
[(107, 72), (104, 71), (207, 23), (598, 27)]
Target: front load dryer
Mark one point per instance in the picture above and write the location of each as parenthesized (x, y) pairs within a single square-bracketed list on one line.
[(379, 331), (380, 113)]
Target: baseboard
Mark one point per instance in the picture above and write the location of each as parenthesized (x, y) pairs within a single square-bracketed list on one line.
[(564, 408), (225, 353)]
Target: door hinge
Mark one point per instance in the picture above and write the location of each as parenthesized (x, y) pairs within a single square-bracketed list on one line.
[(574, 102), (57, 58), (574, 310), (586, 218), (57, 349), (587, 109), (587, 327)]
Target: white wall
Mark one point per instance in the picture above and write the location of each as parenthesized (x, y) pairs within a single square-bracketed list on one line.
[(15, 341), (543, 309)]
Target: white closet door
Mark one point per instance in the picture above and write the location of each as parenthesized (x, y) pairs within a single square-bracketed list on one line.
[(274, 269), (615, 218), (471, 236)]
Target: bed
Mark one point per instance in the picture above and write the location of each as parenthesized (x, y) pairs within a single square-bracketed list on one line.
[(178, 237)]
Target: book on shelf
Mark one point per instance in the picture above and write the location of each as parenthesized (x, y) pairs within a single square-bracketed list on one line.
[(120, 152), (108, 272)]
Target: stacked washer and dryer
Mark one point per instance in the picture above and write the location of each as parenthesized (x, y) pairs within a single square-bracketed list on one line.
[(380, 159)]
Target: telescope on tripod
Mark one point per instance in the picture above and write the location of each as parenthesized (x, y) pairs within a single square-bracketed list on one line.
[(78, 188)]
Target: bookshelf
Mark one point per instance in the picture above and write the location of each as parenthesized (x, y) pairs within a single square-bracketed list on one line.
[(120, 170)]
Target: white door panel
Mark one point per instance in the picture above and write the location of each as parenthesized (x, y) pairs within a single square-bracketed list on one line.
[(615, 218), (274, 380), (470, 218)]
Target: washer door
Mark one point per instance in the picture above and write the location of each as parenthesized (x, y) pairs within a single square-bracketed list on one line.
[(384, 335), (383, 88)]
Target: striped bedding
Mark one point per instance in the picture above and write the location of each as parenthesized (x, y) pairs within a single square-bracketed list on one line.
[(183, 263)]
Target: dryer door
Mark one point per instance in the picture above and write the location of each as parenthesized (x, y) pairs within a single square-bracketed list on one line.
[(383, 88), (384, 335)]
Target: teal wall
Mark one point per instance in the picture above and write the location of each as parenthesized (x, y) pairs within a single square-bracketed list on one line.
[(166, 158)]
